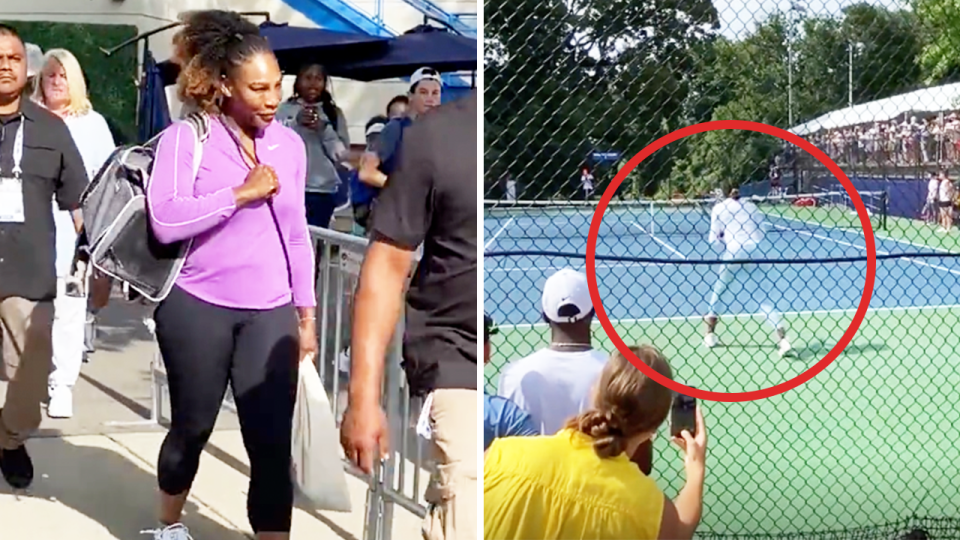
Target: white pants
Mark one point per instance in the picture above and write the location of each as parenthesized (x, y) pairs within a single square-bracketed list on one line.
[(69, 324), (746, 280)]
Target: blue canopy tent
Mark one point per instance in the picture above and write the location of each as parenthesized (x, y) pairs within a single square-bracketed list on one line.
[(153, 113), (422, 46), (296, 46)]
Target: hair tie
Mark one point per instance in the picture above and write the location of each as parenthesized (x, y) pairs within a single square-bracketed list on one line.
[(613, 423), (239, 36)]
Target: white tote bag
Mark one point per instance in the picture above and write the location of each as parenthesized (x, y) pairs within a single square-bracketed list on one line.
[(317, 468)]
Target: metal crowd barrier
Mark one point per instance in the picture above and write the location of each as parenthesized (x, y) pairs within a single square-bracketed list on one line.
[(400, 479)]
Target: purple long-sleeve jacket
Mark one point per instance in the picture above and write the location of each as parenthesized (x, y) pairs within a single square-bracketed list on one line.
[(236, 259)]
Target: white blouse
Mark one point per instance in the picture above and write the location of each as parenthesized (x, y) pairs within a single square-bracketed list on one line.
[(92, 136)]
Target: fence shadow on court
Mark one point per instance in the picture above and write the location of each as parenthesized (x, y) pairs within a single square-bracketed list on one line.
[(817, 350)]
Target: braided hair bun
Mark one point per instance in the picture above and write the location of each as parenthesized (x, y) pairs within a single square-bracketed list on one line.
[(208, 47), (627, 403), (604, 428)]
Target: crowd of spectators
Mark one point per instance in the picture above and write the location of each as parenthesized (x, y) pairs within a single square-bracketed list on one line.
[(912, 141)]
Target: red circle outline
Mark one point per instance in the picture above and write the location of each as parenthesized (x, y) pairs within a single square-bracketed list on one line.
[(747, 126)]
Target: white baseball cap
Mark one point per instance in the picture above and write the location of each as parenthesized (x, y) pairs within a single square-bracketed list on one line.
[(566, 297), (375, 128), (425, 74)]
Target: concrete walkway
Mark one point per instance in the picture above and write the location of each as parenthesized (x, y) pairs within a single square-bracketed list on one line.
[(96, 480)]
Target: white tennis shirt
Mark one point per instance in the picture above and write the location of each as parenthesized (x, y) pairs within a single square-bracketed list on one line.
[(92, 136), (552, 386), (736, 223)]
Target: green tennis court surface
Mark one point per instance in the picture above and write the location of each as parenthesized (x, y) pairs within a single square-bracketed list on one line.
[(869, 441)]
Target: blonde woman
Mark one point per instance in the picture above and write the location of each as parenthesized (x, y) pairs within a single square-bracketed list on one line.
[(580, 484), (62, 89)]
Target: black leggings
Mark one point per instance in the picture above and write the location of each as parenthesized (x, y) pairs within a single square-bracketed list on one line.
[(204, 346)]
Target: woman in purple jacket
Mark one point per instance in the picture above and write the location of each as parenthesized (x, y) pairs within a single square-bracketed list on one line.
[(242, 310)]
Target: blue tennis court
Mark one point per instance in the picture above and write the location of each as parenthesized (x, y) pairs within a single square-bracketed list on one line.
[(653, 291)]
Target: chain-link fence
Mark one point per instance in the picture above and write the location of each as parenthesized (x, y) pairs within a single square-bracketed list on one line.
[(866, 449)]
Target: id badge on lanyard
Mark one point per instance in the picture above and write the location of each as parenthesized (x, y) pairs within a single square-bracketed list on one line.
[(11, 186)]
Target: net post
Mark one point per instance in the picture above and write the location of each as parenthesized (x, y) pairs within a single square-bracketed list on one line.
[(883, 210)]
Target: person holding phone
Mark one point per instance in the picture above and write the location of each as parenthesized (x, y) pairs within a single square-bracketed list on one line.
[(312, 113), (580, 484)]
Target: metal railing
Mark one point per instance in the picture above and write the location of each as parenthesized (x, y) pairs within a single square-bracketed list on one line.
[(398, 480)]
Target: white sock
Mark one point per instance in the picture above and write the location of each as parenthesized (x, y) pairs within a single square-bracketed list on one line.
[(772, 316)]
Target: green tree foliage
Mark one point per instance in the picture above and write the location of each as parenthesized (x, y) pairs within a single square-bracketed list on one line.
[(565, 78), (569, 78), (748, 80), (111, 81), (940, 23)]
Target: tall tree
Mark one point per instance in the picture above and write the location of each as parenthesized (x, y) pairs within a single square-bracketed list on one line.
[(749, 80), (567, 78), (940, 24)]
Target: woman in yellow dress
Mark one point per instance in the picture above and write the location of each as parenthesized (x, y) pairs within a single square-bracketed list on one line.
[(580, 483)]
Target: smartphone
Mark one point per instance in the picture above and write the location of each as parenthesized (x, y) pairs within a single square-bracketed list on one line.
[(683, 415)]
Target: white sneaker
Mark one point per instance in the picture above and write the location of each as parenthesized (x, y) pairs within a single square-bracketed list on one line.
[(711, 340), (177, 531), (784, 347), (61, 402)]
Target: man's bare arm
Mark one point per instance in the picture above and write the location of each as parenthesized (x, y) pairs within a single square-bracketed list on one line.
[(369, 173), (77, 220), (377, 309)]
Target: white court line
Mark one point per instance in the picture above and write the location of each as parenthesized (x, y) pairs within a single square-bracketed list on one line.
[(498, 233), (684, 318), (864, 248), (876, 234), (659, 241)]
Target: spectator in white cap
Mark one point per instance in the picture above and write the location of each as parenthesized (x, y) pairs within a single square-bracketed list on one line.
[(362, 195), (425, 92), (555, 383)]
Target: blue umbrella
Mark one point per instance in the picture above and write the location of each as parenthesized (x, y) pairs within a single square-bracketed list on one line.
[(422, 46), (295, 46), (153, 115)]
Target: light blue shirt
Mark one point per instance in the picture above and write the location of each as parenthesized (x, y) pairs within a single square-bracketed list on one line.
[(502, 418)]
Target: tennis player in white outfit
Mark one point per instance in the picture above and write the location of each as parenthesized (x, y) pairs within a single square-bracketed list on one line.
[(738, 226)]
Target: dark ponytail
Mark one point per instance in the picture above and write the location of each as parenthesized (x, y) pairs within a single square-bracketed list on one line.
[(209, 45)]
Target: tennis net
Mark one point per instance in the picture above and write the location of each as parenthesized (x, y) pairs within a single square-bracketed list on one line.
[(532, 219)]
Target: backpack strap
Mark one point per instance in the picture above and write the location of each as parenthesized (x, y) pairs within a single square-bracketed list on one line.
[(200, 123)]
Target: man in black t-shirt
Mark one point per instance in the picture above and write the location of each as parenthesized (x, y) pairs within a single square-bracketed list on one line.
[(39, 165), (431, 199)]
